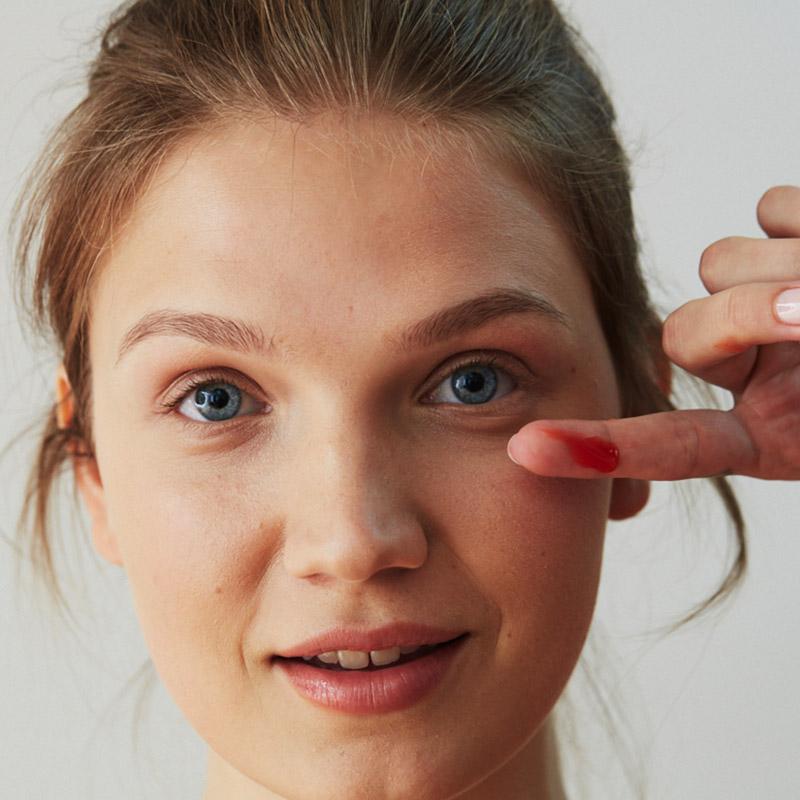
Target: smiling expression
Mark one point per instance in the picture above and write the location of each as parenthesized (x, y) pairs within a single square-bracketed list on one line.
[(357, 482)]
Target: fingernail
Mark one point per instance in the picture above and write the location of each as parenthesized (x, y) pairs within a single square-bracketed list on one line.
[(787, 306), (513, 449)]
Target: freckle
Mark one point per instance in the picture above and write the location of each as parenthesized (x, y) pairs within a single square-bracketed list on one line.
[(218, 590)]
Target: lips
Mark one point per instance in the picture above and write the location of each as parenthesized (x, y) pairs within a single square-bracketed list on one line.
[(404, 658), (402, 634), (390, 688)]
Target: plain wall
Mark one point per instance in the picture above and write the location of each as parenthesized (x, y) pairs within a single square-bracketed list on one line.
[(708, 99)]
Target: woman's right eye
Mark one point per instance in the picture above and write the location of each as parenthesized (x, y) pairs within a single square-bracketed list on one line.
[(206, 399), (213, 402), (220, 397)]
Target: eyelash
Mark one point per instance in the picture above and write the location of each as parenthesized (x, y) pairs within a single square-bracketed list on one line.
[(482, 358)]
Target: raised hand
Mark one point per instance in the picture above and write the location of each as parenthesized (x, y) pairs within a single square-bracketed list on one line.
[(744, 337)]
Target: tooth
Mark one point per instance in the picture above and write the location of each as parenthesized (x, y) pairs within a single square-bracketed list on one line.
[(357, 659), (353, 659), (330, 657), (382, 657)]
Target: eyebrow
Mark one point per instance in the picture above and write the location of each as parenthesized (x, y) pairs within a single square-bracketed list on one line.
[(447, 323)]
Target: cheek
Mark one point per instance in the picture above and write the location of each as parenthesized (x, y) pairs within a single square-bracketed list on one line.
[(198, 541), (533, 546), (190, 553)]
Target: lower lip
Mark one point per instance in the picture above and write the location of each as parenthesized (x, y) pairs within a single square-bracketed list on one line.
[(372, 692)]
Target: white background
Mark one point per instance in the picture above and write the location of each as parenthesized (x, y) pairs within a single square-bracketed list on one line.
[(708, 96)]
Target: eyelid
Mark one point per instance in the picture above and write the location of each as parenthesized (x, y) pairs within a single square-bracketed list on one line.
[(178, 393), (175, 395), (513, 366)]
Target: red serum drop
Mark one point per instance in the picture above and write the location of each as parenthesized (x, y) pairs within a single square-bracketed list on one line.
[(588, 451)]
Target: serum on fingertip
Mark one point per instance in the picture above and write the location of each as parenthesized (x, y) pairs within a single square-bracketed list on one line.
[(586, 451)]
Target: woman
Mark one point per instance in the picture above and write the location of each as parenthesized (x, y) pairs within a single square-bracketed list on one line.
[(310, 268)]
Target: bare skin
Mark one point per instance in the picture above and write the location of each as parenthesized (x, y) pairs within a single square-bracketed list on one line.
[(743, 337), (354, 485)]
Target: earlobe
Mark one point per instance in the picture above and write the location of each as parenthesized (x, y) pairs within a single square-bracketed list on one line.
[(628, 497), (87, 477), (90, 484)]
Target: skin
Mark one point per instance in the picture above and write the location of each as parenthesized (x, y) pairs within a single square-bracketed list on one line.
[(351, 498), (745, 338)]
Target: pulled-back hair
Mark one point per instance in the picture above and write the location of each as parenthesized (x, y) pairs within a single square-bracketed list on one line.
[(511, 76)]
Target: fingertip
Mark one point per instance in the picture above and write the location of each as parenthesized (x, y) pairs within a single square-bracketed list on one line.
[(514, 449)]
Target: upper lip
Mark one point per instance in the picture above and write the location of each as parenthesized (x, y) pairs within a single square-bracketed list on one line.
[(404, 634)]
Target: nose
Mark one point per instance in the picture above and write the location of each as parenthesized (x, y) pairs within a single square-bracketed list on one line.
[(352, 516)]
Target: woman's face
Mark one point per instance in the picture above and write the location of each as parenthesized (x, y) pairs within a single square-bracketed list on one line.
[(363, 478)]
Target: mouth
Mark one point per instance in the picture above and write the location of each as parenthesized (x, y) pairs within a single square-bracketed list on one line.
[(419, 653)]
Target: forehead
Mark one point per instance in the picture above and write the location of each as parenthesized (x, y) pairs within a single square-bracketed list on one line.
[(269, 215)]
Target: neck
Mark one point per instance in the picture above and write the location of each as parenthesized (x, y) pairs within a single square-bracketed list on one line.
[(533, 773)]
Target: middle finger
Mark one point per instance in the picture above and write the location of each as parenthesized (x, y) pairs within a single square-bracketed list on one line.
[(715, 337)]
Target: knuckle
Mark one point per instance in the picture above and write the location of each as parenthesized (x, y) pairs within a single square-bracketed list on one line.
[(672, 336), (688, 443), (738, 309), (794, 258)]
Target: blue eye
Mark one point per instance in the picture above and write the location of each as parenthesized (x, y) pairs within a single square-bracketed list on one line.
[(219, 403), (217, 398), (475, 382), (212, 401)]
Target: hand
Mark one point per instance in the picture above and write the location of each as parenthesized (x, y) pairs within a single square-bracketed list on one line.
[(734, 338)]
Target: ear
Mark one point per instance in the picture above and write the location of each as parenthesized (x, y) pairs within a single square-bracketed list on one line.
[(87, 476), (628, 497)]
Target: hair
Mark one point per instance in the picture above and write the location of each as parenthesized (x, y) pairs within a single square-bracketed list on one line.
[(512, 77)]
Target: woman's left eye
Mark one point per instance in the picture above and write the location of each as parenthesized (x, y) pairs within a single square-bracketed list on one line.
[(474, 382), (218, 398)]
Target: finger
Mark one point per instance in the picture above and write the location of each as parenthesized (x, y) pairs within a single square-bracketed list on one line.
[(712, 337), (740, 259), (778, 211), (668, 446)]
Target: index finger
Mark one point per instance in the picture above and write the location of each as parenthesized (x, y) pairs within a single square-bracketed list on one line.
[(667, 446)]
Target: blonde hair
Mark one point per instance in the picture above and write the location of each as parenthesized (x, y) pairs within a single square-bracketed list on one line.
[(513, 76)]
